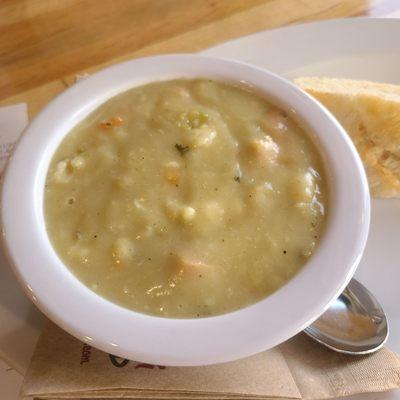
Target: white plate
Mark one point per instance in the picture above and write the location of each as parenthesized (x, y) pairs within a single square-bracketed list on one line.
[(351, 48), (348, 48)]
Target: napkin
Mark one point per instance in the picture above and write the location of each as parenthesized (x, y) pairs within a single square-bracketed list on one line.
[(62, 367), (19, 320), (13, 120)]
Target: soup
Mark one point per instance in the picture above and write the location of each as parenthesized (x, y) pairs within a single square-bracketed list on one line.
[(185, 198)]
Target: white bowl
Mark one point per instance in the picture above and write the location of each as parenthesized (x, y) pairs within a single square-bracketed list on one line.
[(166, 341)]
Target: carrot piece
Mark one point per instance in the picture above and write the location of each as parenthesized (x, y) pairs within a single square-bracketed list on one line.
[(116, 121)]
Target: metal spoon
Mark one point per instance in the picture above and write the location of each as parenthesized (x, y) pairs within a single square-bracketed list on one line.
[(355, 323)]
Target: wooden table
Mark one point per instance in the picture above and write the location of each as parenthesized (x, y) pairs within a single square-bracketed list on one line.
[(44, 43)]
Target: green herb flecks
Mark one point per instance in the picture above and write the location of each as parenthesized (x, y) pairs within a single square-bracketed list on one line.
[(182, 149)]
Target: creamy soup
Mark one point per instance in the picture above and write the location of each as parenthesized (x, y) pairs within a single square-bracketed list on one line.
[(185, 198)]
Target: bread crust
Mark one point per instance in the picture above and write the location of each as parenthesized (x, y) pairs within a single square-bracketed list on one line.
[(370, 113)]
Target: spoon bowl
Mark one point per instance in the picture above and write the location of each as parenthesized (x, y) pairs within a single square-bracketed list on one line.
[(355, 323)]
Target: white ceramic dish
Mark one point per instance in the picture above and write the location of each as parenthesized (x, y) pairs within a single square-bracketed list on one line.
[(81, 312)]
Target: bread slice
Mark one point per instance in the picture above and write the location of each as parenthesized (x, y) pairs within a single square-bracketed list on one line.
[(370, 113)]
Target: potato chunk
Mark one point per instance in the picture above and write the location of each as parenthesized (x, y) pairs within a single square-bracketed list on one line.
[(182, 213), (303, 187), (65, 168), (173, 172), (262, 195), (61, 174), (265, 151), (78, 162), (123, 250), (201, 137), (187, 214), (275, 122), (191, 266), (79, 252)]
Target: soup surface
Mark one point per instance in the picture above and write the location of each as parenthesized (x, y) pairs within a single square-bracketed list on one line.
[(185, 198)]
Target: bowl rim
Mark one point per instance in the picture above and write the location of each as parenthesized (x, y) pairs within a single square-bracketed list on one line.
[(167, 341)]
